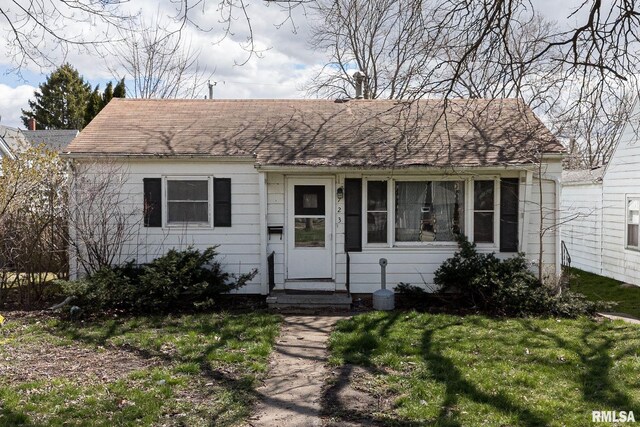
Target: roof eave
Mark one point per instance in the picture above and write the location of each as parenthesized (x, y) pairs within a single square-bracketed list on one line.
[(156, 156), (387, 168)]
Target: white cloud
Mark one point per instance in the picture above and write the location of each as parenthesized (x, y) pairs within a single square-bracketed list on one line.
[(12, 99), (280, 72)]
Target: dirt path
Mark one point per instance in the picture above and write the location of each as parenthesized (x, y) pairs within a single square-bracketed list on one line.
[(291, 395)]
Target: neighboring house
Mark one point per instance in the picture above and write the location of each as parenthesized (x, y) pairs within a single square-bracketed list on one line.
[(12, 142), (604, 237), (54, 140), (329, 187), (5, 151), (581, 208)]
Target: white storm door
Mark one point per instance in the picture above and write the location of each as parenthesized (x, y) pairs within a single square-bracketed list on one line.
[(309, 229)]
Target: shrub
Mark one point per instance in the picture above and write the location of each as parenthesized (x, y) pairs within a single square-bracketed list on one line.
[(177, 280), (505, 287)]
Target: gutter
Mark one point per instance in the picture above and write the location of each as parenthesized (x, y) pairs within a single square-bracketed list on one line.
[(203, 157), (386, 169)]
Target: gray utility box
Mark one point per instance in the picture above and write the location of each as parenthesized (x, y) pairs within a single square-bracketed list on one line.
[(384, 299)]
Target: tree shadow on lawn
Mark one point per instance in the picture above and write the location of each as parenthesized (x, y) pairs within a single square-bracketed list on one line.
[(342, 403), (10, 418), (238, 384), (445, 371), (594, 350)]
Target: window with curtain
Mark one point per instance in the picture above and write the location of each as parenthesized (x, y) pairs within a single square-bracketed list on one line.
[(633, 222), (429, 211), (376, 211), (483, 211), (188, 201)]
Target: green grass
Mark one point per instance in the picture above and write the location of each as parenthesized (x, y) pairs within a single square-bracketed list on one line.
[(448, 370), (207, 368), (599, 288)]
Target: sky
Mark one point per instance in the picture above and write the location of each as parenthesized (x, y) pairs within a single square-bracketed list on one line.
[(283, 68)]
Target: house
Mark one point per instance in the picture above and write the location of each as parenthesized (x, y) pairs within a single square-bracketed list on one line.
[(12, 142), (602, 210), (5, 151), (313, 193), (52, 139), (581, 205)]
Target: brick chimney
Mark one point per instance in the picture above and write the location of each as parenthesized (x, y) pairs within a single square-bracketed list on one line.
[(31, 123)]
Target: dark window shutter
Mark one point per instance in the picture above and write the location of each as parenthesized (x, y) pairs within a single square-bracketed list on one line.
[(222, 202), (353, 215), (152, 202), (509, 189)]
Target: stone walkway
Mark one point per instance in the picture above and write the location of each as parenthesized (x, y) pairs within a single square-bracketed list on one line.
[(621, 316), (291, 395)]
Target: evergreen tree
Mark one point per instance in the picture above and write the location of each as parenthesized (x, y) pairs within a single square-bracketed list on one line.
[(61, 102), (107, 95), (120, 91), (94, 105)]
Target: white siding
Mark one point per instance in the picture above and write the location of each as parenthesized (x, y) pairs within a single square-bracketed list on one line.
[(621, 179), (581, 229), (239, 245), (275, 217), (596, 241), (415, 265)]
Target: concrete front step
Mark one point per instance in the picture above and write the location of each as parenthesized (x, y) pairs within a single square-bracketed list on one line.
[(337, 301)]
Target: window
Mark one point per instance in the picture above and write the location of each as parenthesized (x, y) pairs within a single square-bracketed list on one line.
[(188, 201), (377, 212), (483, 211), (309, 216), (633, 222), (429, 211)]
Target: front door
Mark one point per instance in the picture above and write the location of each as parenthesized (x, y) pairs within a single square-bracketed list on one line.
[(309, 229)]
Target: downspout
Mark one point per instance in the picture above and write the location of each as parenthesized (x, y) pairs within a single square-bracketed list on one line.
[(601, 223)]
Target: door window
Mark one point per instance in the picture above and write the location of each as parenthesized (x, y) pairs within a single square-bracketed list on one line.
[(309, 216)]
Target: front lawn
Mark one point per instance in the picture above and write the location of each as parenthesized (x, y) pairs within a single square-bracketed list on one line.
[(600, 288), (444, 370), (172, 370)]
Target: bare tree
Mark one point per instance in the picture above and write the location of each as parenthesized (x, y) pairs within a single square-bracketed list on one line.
[(101, 220), (42, 32), (160, 61), (388, 40), (592, 137), (601, 45), (32, 223)]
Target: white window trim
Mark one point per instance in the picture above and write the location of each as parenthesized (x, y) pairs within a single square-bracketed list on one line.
[(495, 245), (165, 201), (627, 199), (468, 211), (365, 211)]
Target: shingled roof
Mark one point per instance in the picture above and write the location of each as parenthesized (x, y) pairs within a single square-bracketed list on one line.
[(354, 133), (56, 140)]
